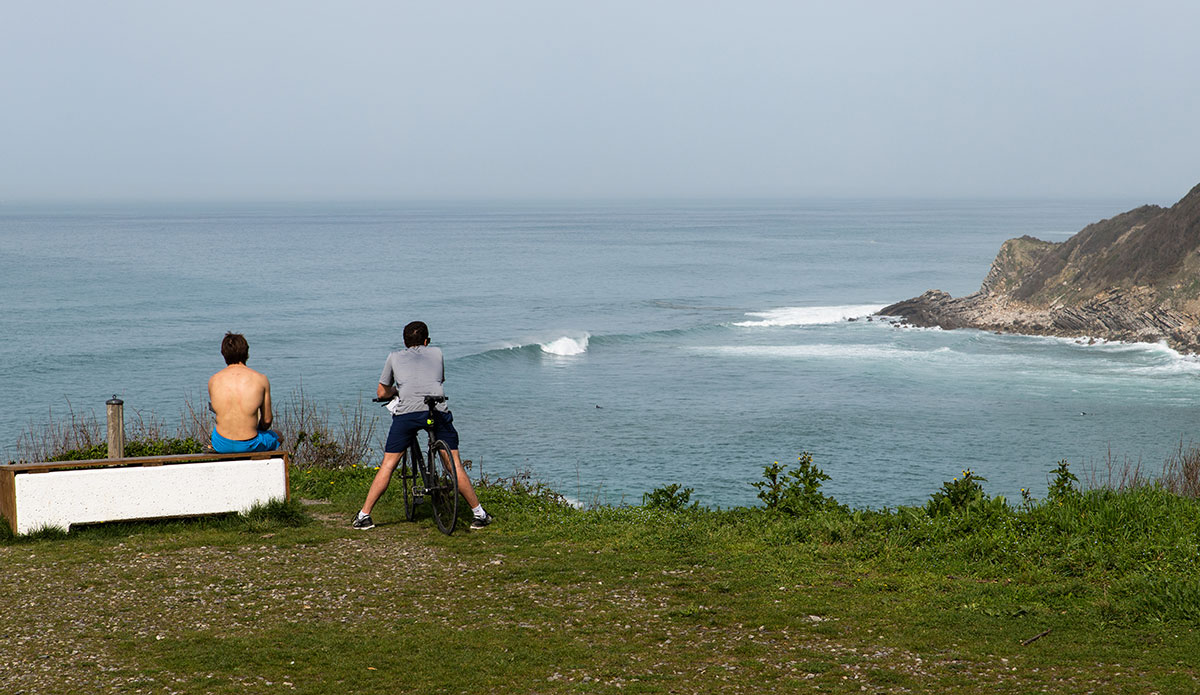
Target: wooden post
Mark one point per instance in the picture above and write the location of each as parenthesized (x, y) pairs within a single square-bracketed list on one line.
[(116, 427)]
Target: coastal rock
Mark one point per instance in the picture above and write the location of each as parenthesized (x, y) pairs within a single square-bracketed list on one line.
[(1135, 277)]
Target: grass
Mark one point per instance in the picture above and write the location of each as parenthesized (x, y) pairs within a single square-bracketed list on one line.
[(1093, 590), (648, 599)]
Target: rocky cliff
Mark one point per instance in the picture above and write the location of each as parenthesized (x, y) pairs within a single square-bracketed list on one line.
[(1135, 277)]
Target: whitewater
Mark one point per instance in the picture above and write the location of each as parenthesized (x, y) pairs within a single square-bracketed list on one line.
[(605, 348)]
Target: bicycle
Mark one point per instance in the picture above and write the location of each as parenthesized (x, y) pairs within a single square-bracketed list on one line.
[(420, 477)]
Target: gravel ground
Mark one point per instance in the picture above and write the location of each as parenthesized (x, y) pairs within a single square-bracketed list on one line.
[(67, 623), (71, 625)]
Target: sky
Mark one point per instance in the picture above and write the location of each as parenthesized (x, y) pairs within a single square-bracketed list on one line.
[(299, 100)]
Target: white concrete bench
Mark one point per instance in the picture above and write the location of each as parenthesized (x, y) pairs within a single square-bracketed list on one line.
[(60, 494)]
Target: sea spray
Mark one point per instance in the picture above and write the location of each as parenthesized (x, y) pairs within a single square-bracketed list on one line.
[(808, 315), (566, 346)]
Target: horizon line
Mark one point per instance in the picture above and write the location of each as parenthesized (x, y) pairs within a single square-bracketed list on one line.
[(551, 199)]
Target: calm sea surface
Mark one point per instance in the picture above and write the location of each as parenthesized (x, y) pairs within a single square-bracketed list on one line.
[(609, 348)]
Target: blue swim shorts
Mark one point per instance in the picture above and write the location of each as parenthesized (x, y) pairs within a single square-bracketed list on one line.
[(404, 429), (263, 441)]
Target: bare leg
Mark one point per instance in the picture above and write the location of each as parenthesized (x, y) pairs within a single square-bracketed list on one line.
[(380, 483), (464, 483)]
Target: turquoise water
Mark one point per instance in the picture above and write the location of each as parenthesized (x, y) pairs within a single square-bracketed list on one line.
[(609, 348)]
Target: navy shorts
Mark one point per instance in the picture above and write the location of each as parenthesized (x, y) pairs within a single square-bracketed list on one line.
[(405, 427)]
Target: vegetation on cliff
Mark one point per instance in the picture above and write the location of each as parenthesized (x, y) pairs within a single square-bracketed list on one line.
[(1135, 277)]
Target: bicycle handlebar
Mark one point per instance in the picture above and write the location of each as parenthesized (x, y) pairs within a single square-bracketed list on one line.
[(429, 400)]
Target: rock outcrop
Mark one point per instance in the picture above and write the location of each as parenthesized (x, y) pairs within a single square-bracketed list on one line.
[(1135, 277)]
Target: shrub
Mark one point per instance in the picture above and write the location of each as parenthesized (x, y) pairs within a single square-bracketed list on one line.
[(963, 495), (162, 447), (670, 498), (520, 488), (1063, 485), (797, 491), (306, 431)]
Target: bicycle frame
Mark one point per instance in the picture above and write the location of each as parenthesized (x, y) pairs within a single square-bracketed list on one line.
[(438, 483)]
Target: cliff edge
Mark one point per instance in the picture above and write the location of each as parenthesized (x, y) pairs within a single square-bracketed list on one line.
[(1134, 277)]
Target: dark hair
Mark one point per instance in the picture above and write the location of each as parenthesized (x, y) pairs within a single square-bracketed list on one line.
[(234, 348), (415, 333)]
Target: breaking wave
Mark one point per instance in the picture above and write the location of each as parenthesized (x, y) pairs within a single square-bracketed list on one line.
[(823, 351), (566, 345), (808, 315)]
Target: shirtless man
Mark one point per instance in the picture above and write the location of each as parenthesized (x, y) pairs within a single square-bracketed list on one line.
[(241, 399)]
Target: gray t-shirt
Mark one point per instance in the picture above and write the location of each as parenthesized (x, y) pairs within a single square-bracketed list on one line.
[(417, 372)]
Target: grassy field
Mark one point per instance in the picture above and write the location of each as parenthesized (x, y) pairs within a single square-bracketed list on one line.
[(1081, 592)]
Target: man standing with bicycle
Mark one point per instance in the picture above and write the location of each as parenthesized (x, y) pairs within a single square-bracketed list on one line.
[(409, 375)]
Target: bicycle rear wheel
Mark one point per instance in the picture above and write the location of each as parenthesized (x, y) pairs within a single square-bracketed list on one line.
[(410, 463), (444, 490)]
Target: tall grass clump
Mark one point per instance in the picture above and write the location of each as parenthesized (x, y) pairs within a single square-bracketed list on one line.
[(1180, 473), (82, 435), (307, 430)]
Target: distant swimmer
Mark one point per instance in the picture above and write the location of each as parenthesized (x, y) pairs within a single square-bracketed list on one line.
[(241, 400)]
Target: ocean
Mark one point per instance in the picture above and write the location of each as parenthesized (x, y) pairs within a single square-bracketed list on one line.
[(607, 348)]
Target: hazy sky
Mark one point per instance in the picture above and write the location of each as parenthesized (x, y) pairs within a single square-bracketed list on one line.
[(332, 100)]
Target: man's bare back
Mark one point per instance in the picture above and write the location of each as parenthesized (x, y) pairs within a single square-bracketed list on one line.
[(241, 399)]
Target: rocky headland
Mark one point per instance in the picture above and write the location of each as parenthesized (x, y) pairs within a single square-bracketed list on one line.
[(1134, 277)]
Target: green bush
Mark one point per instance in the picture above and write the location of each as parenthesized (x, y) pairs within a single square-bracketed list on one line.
[(795, 492), (1063, 485), (159, 447), (964, 495), (670, 498)]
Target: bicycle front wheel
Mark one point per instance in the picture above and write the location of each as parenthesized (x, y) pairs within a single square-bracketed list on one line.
[(444, 490)]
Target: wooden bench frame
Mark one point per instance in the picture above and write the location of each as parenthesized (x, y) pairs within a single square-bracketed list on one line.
[(172, 486)]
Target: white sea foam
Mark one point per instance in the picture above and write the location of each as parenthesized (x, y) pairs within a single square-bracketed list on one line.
[(574, 502), (808, 315), (566, 345), (1160, 350), (819, 350), (1132, 358), (1186, 365), (1164, 358)]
